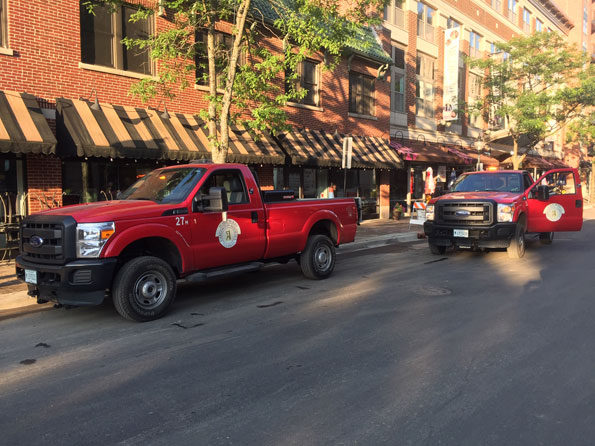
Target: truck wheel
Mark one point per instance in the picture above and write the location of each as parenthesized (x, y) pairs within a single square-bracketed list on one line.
[(318, 259), (516, 249), (144, 288), (437, 250), (546, 238)]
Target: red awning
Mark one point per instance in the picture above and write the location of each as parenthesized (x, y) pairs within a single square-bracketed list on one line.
[(427, 153)]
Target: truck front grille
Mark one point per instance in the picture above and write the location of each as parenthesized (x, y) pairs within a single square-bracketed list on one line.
[(465, 213), (46, 239)]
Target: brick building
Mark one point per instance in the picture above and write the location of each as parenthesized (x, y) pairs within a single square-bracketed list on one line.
[(70, 68), (424, 134)]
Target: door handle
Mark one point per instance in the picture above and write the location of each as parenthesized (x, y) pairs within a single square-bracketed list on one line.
[(254, 217), (579, 203)]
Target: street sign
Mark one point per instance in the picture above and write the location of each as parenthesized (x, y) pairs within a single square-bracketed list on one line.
[(347, 152)]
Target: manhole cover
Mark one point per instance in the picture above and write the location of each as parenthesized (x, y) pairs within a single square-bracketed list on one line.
[(429, 290)]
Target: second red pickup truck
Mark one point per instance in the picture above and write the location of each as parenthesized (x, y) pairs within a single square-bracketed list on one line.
[(193, 221), (496, 209)]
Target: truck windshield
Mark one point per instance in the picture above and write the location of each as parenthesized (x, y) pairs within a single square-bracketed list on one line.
[(488, 182), (164, 185)]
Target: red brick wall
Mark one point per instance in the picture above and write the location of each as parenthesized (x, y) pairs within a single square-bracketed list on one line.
[(411, 63), (46, 39), (265, 177), (384, 180), (44, 178)]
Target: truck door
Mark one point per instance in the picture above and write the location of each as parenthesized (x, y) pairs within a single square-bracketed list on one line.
[(563, 210), (241, 237)]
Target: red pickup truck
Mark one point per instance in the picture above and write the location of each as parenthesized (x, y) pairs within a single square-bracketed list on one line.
[(496, 209), (191, 222)]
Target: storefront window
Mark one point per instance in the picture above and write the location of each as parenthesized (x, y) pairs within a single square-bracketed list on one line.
[(278, 178), (309, 183), (101, 179)]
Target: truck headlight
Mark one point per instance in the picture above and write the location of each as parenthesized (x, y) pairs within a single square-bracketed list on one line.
[(92, 237), (505, 212), (430, 212)]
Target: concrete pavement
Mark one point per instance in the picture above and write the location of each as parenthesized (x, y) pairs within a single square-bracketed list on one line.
[(370, 234)]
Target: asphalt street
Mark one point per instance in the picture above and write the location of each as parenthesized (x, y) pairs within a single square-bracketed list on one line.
[(398, 347)]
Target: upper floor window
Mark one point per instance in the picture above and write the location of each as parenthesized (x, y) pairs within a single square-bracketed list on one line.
[(394, 14), (474, 95), (452, 23), (585, 20), (497, 5), (425, 22), (102, 34), (474, 43), (223, 45), (424, 86), (538, 25), (362, 91), (526, 20), (397, 100), (511, 11), (308, 78), (3, 24)]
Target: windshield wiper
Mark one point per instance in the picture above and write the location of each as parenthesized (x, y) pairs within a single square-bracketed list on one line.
[(142, 198)]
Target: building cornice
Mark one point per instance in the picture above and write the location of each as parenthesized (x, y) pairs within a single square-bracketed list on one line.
[(553, 12)]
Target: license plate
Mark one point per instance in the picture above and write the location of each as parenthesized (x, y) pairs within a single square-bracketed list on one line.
[(31, 276), (460, 233)]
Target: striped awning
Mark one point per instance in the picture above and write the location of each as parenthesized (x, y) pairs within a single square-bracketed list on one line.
[(316, 147), (23, 128), (129, 132)]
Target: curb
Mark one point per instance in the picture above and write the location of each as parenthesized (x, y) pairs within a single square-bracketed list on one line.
[(382, 240)]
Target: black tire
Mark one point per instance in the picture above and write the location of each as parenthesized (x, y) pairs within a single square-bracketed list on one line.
[(518, 244), (144, 288), (546, 238), (318, 258), (437, 250)]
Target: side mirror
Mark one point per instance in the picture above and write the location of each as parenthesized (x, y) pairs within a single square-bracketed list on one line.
[(216, 201), (543, 193)]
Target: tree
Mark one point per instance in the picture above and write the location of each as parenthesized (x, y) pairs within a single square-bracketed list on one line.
[(244, 75), (582, 131), (536, 84)]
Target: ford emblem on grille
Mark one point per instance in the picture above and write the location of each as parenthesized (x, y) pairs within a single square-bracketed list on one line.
[(36, 241), (462, 213)]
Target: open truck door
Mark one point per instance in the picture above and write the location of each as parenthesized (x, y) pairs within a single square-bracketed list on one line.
[(555, 202)]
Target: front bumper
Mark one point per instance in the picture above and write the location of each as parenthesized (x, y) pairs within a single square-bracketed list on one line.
[(494, 236), (81, 282)]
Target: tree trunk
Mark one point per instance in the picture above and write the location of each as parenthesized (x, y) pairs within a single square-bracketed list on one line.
[(212, 123), (592, 183), (231, 74), (516, 159), (515, 154), (85, 182)]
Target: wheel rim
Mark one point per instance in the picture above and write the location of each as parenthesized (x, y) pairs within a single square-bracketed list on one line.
[(322, 257), (150, 290), (521, 243)]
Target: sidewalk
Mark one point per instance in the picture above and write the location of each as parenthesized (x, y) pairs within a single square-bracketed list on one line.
[(370, 234)]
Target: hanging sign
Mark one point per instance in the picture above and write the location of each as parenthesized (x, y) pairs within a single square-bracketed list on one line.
[(451, 74), (347, 152)]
